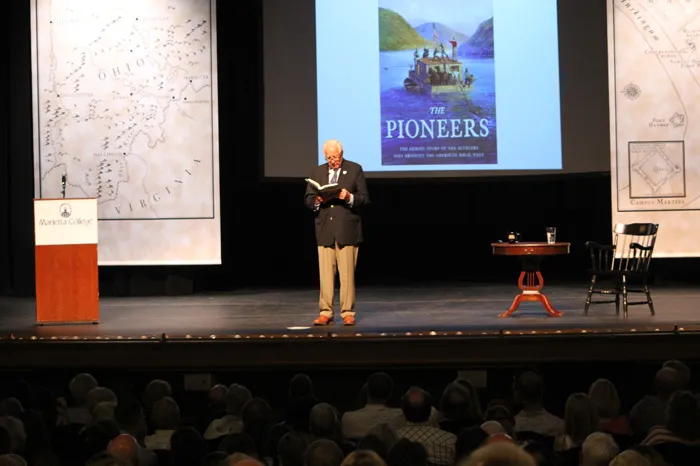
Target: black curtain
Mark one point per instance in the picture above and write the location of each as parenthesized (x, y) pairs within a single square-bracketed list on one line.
[(17, 270), (4, 168)]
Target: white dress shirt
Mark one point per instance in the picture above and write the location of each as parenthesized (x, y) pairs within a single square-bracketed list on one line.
[(331, 174)]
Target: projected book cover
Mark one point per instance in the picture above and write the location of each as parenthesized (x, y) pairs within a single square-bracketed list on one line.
[(438, 93)]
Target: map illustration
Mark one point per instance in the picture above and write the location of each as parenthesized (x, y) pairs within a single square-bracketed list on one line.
[(657, 169), (655, 100), (125, 106)]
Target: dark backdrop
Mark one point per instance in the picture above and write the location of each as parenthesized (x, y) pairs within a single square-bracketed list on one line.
[(416, 230)]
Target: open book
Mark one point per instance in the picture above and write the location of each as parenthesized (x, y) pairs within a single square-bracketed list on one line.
[(325, 189)]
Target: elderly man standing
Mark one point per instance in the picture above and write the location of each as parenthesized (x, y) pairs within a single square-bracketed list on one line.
[(338, 229)]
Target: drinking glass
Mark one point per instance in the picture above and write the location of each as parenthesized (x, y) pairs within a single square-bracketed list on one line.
[(551, 235)]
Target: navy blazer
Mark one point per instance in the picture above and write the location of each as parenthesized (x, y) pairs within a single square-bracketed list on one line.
[(336, 221)]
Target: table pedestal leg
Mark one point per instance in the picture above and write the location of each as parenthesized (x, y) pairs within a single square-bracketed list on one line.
[(531, 282)]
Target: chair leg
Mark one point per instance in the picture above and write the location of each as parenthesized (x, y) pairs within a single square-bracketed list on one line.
[(624, 296), (589, 296), (650, 302)]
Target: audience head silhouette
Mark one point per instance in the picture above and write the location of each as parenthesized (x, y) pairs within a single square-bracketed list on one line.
[(416, 405), (380, 387), (236, 398), (500, 454), (598, 450), (323, 421), (667, 381), (580, 419), (124, 447), (301, 386), (630, 458), (165, 414), (323, 453), (682, 369), (408, 453), (80, 386), (363, 458), (529, 388), (606, 402), (291, 448), (683, 416)]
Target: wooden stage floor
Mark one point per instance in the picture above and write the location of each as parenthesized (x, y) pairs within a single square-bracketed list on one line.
[(412, 325)]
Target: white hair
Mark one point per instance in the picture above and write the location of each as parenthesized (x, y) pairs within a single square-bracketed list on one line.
[(493, 428), (598, 449), (630, 458), (332, 143)]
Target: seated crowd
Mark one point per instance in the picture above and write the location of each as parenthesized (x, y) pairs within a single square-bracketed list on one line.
[(96, 427)]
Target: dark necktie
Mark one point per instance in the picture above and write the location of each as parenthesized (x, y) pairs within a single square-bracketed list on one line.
[(334, 179)]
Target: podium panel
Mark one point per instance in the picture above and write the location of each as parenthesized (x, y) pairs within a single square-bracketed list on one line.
[(67, 285)]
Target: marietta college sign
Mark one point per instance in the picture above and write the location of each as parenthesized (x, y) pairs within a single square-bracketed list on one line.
[(65, 221)]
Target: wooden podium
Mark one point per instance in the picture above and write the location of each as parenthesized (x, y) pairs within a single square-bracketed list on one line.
[(65, 238)]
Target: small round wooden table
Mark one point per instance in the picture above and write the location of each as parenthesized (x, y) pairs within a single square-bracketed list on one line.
[(530, 281)]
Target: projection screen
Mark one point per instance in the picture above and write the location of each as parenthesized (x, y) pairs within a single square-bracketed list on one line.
[(415, 88)]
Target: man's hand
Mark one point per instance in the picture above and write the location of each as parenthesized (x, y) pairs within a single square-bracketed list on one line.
[(344, 195), (319, 200)]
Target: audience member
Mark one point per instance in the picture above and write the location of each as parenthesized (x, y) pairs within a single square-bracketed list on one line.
[(375, 445), (35, 430), (217, 399), (363, 458), (99, 395), (386, 434), (500, 454), (11, 407), (417, 407), (124, 447), (235, 399), (533, 417), (323, 453), (630, 458), (468, 441), (458, 409), (502, 415), (580, 421), (165, 417), (682, 422), (16, 431), (650, 411), (105, 459), (606, 402), (291, 448), (474, 400), (682, 369), (186, 447), (598, 449), (356, 424), (493, 428), (408, 453), (155, 390), (79, 388), (12, 460), (257, 422)]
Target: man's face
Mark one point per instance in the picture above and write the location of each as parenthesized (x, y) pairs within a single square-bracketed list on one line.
[(334, 157)]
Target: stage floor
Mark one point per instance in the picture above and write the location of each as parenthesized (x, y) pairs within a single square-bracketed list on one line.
[(443, 313)]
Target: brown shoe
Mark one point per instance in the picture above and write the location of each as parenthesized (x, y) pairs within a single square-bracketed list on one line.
[(349, 320), (323, 320)]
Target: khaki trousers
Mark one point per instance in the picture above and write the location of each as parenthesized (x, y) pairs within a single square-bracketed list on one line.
[(342, 260)]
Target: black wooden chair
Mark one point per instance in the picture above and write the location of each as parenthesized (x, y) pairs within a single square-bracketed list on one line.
[(626, 262)]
